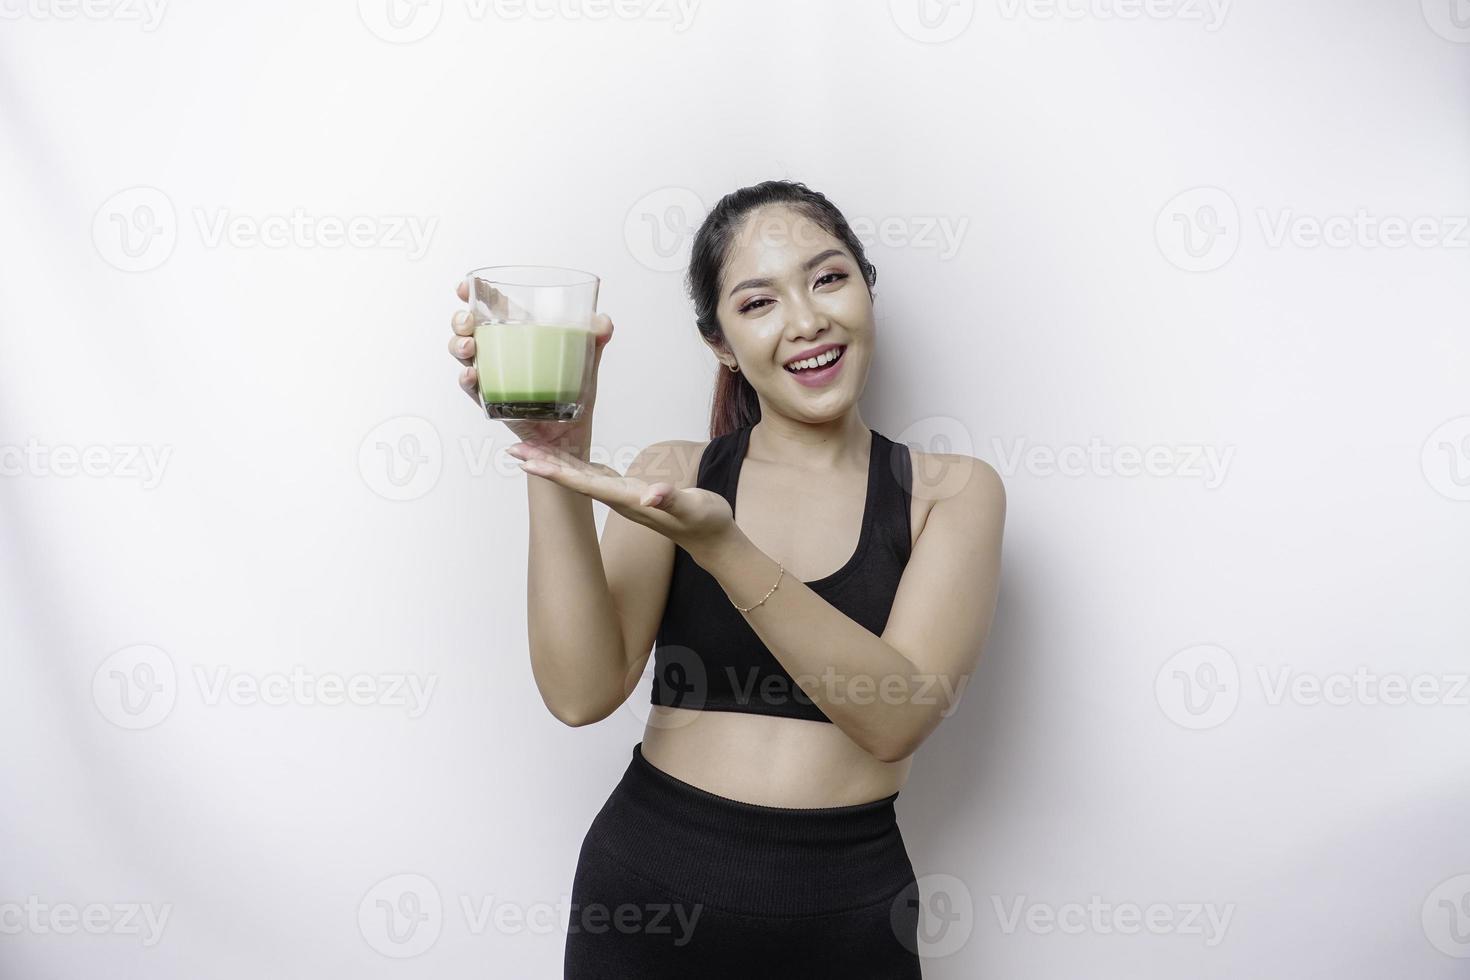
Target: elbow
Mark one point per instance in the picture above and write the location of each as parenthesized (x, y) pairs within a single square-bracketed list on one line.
[(898, 746), (576, 717), (574, 714), (893, 751)]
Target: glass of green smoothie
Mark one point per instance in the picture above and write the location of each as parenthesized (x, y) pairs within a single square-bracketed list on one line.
[(534, 343)]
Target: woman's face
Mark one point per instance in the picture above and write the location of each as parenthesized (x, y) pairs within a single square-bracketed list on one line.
[(789, 287)]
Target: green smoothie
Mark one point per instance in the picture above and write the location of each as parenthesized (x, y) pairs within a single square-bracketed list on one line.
[(531, 370)]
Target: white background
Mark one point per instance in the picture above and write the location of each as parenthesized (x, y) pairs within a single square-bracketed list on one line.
[(1114, 181)]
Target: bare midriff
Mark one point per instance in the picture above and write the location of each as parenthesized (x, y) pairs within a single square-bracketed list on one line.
[(767, 760)]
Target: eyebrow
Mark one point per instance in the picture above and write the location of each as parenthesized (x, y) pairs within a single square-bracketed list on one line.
[(810, 264)]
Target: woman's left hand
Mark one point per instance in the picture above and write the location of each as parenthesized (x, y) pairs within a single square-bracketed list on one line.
[(691, 517)]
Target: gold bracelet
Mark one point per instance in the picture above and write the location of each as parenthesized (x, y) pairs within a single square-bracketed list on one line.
[(768, 594)]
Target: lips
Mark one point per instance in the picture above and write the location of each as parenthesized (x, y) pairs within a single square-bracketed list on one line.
[(807, 353), (814, 352), (819, 377)]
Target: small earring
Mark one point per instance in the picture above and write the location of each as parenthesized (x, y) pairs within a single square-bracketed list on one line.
[(734, 368)]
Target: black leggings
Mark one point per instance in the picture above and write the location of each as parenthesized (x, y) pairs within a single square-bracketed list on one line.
[(676, 882)]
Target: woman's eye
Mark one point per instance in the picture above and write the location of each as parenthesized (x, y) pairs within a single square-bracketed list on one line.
[(822, 280)]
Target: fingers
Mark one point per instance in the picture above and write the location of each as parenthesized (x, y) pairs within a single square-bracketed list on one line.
[(602, 328), (462, 348), (602, 331), (653, 505), (461, 324), (462, 345)]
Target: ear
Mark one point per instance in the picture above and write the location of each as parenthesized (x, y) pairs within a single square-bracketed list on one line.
[(722, 353)]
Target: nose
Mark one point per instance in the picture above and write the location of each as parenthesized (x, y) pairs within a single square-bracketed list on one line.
[(804, 319)]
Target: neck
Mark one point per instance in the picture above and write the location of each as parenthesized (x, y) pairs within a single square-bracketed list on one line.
[(832, 445)]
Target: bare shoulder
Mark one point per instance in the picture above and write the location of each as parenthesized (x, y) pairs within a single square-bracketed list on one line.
[(674, 461), (967, 489)]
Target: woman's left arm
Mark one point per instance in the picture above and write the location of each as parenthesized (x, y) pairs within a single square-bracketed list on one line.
[(887, 693)]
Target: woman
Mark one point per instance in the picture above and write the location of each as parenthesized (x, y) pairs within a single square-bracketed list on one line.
[(803, 653)]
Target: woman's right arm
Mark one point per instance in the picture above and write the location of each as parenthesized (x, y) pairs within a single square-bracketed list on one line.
[(592, 609)]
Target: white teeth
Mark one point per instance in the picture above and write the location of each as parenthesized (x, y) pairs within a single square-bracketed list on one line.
[(820, 360)]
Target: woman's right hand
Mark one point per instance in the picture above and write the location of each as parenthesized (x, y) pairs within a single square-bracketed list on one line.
[(574, 437)]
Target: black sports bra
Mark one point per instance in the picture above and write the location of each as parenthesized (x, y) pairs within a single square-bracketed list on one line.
[(706, 656)]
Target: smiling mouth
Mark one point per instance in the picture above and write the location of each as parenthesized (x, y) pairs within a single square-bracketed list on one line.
[(822, 361)]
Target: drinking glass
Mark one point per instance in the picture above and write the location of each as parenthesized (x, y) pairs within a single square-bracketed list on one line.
[(534, 343)]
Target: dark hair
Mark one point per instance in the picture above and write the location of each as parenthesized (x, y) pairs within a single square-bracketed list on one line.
[(735, 402)]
